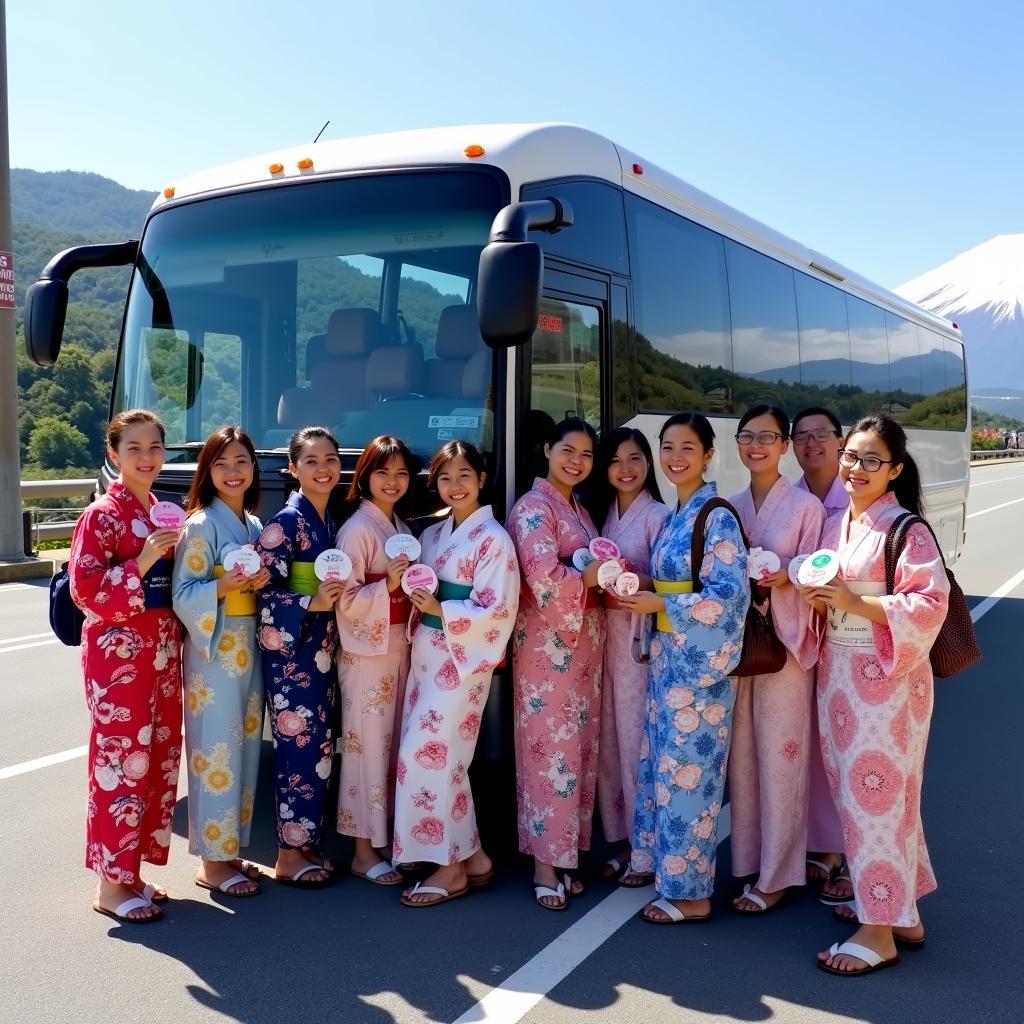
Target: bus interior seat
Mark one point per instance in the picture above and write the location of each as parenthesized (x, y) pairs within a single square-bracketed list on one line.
[(476, 378), (395, 371), (458, 340)]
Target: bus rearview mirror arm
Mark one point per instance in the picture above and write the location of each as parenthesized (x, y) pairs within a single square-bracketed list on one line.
[(511, 270), (46, 301)]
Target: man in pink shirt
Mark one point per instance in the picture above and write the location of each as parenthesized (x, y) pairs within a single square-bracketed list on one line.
[(817, 438)]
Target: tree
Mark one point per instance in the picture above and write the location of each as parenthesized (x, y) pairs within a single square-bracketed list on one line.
[(55, 444)]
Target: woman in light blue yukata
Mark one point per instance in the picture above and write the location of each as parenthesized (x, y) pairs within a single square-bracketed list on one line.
[(696, 644), (223, 674)]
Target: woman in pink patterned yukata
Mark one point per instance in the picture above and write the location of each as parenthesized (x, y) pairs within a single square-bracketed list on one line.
[(559, 641), (875, 693)]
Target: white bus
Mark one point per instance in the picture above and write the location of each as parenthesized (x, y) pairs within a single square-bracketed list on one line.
[(340, 283)]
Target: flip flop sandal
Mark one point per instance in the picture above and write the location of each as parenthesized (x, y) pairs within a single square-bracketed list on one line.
[(758, 900), (541, 892), (628, 880), (226, 886), (821, 866), (841, 873), (869, 956), (122, 910), (296, 880), (154, 894), (674, 914), (480, 881), (251, 871), (419, 889), (614, 868), (377, 872), (901, 941), (569, 880)]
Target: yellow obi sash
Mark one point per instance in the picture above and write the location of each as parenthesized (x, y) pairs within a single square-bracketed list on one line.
[(302, 579), (663, 624), (236, 602)]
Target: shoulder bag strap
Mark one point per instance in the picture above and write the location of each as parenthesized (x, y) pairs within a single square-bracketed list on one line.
[(697, 539)]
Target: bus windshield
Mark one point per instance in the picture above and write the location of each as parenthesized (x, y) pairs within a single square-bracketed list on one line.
[(346, 302)]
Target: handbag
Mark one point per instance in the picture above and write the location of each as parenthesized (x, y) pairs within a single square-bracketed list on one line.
[(66, 619), (763, 652), (956, 646)]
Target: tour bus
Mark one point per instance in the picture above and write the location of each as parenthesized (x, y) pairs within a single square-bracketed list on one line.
[(482, 283)]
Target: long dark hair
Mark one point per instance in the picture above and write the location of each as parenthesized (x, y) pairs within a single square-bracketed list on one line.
[(379, 452), (697, 422), (602, 493), (203, 492), (907, 486)]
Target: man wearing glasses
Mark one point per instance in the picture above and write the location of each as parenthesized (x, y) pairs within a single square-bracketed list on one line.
[(817, 438)]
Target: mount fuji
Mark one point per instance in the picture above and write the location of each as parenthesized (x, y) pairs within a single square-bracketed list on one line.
[(982, 290)]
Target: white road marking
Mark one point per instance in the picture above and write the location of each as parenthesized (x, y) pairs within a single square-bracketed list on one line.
[(42, 762), (12, 588), (984, 607), (1002, 479), (27, 636), (995, 508), (24, 647), (520, 992)]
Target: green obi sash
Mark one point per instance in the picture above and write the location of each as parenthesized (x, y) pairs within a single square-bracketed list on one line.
[(302, 579), (447, 592)]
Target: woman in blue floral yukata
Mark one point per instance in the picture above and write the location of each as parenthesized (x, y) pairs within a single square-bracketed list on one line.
[(696, 644)]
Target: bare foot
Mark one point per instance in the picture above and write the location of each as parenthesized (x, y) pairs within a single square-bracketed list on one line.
[(478, 864), (688, 908), (290, 862), (915, 934), (876, 937), (616, 865), (110, 896), (746, 905), (451, 877), (217, 872), (158, 894), (840, 885), (551, 877), (366, 858), (830, 860)]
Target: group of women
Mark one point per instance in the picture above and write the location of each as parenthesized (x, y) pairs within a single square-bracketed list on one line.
[(624, 701)]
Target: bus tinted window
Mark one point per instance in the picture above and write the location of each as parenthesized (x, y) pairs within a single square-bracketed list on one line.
[(824, 334), (682, 312), (956, 381), (904, 359), (869, 366)]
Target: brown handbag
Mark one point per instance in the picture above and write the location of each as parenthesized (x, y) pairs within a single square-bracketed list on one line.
[(956, 646), (763, 652)]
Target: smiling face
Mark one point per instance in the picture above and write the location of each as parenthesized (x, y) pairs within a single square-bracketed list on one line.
[(866, 487), (759, 457), (232, 472), (627, 471), (388, 483), (459, 485), (318, 468), (816, 453), (683, 458), (139, 455), (570, 459)]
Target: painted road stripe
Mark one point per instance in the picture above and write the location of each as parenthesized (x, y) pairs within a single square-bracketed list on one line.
[(984, 607), (42, 762), (25, 647), (1002, 479), (995, 508), (13, 588), (28, 636)]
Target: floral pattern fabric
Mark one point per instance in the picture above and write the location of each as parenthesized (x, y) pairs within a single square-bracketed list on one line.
[(875, 707), (223, 676), (624, 681), (435, 820), (373, 666), (131, 664), (299, 647), (690, 700), (558, 648)]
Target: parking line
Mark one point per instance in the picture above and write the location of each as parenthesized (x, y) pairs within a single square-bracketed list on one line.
[(27, 636), (995, 508), (42, 762), (984, 607), (1002, 479), (25, 647)]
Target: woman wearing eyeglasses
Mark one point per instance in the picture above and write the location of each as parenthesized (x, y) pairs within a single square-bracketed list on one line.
[(768, 764), (875, 693), (817, 438)]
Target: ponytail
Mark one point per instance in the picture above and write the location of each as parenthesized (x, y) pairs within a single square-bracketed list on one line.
[(907, 486)]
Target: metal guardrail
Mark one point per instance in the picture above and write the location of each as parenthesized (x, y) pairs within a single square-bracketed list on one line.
[(35, 526), (57, 488), (997, 453)]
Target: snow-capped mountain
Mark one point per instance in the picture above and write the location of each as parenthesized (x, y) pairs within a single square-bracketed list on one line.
[(982, 290)]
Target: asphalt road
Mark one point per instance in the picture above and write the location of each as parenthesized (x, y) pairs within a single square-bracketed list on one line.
[(352, 953)]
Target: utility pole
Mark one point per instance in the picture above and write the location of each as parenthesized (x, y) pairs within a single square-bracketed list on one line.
[(11, 539)]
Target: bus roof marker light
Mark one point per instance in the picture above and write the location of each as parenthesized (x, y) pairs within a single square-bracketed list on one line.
[(169, 192), (305, 164), (474, 151), (276, 168), (834, 274), (638, 169)]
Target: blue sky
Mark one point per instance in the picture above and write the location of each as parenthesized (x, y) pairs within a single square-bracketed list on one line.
[(884, 133)]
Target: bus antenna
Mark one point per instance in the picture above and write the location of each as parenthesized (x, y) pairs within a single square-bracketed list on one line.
[(319, 133)]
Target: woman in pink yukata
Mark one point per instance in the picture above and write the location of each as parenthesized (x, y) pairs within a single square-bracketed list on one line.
[(373, 616), (557, 652), (875, 691), (628, 504), (770, 757)]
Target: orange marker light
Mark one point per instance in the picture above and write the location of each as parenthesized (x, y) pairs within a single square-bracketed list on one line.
[(169, 192), (305, 163), (474, 151), (276, 168), (638, 169)]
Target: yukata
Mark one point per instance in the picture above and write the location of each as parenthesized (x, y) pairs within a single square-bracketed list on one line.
[(824, 833), (223, 683), (131, 664), (453, 656), (559, 643), (372, 668), (298, 669), (690, 699), (875, 691), (771, 726), (624, 680)]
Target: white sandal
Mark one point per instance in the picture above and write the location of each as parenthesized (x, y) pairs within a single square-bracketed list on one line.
[(672, 912), (541, 892), (874, 961), (122, 910), (419, 889), (229, 883)]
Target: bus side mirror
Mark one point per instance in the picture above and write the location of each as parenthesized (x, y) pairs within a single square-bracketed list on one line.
[(511, 271)]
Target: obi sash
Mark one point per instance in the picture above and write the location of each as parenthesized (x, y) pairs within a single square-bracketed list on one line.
[(302, 579), (156, 584), (847, 630), (400, 606), (446, 592), (663, 623), (236, 602)]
